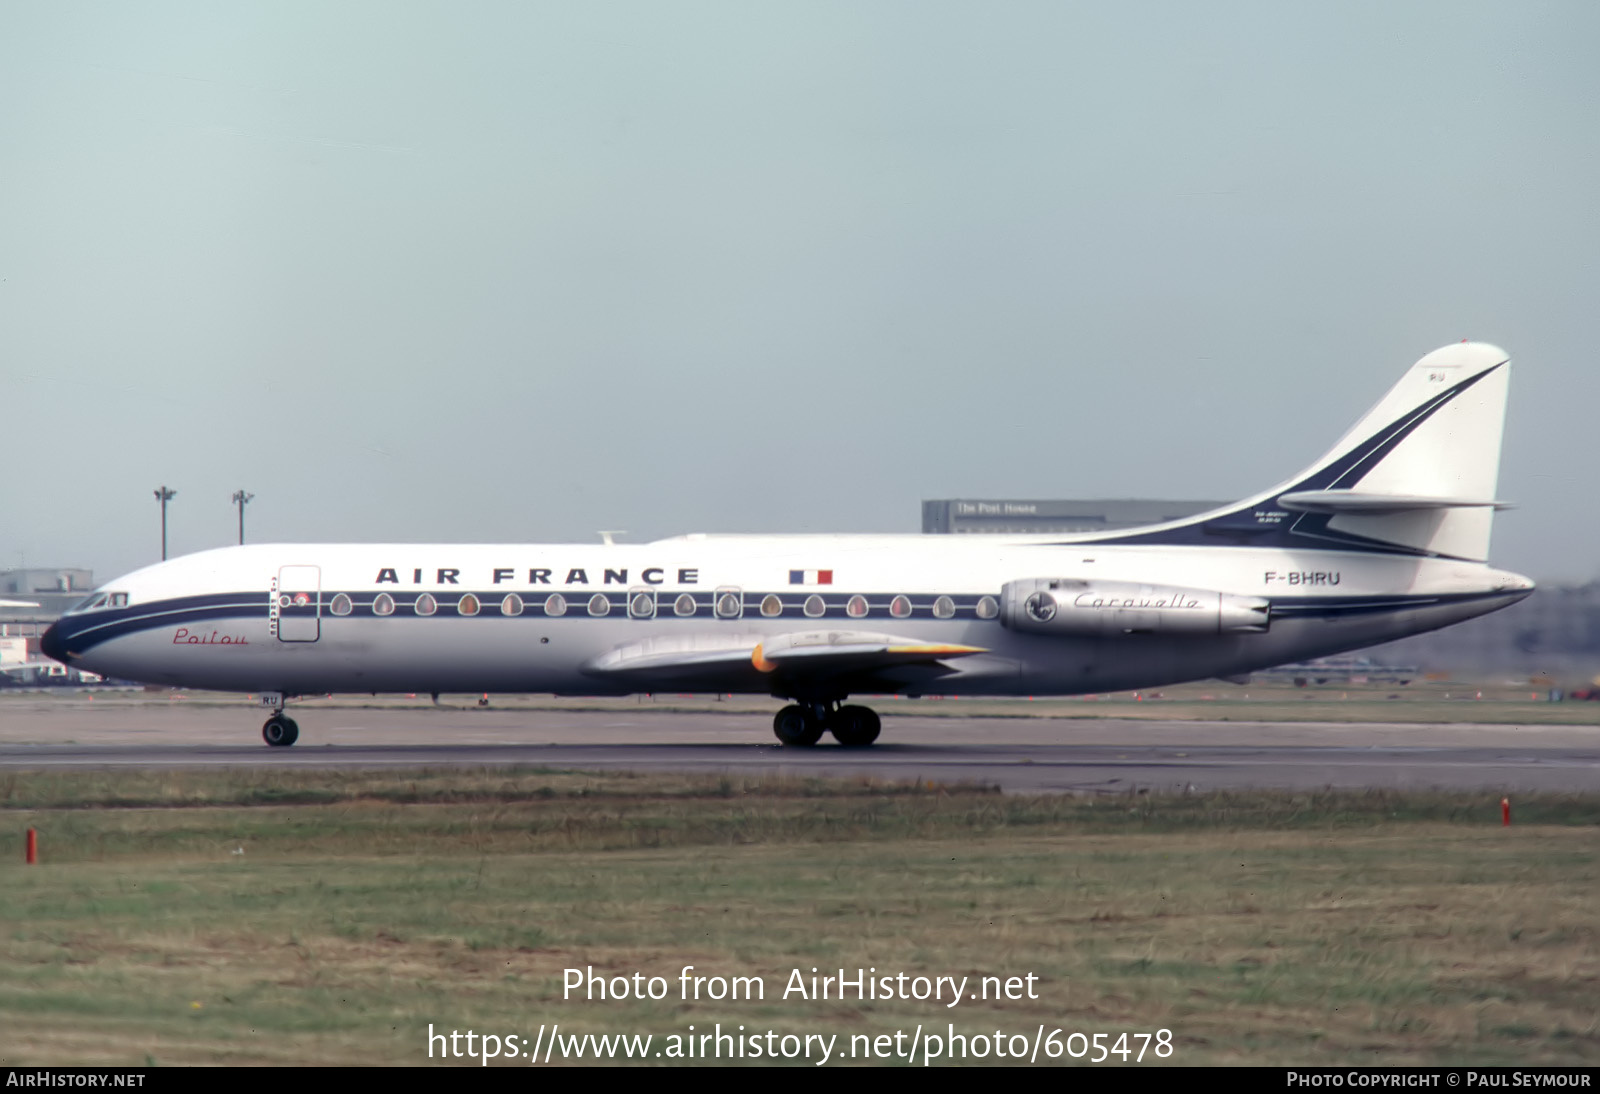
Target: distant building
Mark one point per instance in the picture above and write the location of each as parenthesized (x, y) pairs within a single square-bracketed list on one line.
[(999, 515), (1555, 633), (54, 589)]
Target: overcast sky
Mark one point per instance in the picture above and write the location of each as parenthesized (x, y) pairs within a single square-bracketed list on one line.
[(519, 272)]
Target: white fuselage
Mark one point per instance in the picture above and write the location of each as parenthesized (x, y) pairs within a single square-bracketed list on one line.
[(301, 619)]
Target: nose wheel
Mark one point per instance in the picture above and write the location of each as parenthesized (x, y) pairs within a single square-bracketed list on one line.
[(280, 732)]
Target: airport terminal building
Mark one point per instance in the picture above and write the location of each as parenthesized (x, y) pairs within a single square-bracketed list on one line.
[(38, 597), (54, 589), (960, 516), (1554, 633)]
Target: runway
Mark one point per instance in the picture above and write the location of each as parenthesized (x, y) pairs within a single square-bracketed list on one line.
[(1024, 755)]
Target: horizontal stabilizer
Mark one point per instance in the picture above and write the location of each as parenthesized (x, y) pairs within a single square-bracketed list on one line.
[(1357, 501)]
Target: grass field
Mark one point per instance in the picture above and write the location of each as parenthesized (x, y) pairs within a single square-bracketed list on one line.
[(278, 916)]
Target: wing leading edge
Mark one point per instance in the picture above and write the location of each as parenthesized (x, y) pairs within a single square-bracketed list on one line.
[(810, 656)]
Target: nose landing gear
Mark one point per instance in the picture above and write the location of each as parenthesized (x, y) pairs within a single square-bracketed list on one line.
[(802, 726), (280, 732)]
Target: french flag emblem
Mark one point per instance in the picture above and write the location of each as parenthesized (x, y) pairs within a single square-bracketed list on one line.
[(811, 577)]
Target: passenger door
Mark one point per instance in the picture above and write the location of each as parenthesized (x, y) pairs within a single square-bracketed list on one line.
[(295, 614)]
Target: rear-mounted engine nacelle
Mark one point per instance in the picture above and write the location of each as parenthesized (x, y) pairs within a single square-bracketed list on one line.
[(1057, 605)]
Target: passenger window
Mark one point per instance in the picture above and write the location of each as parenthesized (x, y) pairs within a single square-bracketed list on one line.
[(900, 607), (599, 605), (857, 607), (426, 605), (511, 605), (341, 605), (944, 608), (730, 604), (815, 606), (988, 608), (641, 605), (555, 604), (468, 605), (684, 605), (383, 605), (771, 605)]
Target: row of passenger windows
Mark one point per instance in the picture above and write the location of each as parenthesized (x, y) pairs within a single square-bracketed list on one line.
[(729, 605)]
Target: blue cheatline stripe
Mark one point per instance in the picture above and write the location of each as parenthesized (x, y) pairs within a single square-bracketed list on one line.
[(80, 633), (1365, 605), (158, 613)]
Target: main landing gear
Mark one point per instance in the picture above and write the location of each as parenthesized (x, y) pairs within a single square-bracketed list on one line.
[(803, 725), (280, 732)]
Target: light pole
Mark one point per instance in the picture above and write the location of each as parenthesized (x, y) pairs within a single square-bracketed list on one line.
[(241, 499), (163, 495)]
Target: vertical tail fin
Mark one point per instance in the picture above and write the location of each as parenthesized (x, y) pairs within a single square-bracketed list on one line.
[(1415, 476), (1429, 482)]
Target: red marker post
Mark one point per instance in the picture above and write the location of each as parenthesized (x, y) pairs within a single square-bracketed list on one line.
[(32, 854), (1505, 812)]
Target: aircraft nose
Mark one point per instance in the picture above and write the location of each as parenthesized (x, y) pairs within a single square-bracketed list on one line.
[(51, 644)]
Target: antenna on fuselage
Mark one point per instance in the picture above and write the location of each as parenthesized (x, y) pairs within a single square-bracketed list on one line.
[(605, 537)]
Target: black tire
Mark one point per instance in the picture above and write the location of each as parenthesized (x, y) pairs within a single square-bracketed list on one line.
[(280, 732), (795, 728), (855, 727)]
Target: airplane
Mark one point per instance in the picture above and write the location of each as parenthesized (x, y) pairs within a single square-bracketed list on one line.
[(1387, 535)]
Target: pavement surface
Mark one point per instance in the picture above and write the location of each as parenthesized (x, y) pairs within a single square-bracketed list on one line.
[(1025, 755)]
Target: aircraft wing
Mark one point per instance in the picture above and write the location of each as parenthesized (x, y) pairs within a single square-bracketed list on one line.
[(683, 659), (28, 666)]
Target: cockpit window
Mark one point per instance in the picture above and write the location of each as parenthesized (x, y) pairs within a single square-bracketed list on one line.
[(118, 600), (90, 603)]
